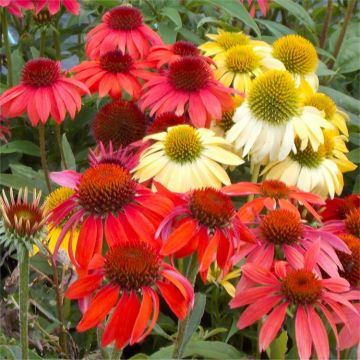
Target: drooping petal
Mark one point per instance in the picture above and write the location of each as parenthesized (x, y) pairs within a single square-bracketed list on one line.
[(302, 333), (67, 178), (259, 274), (83, 286), (318, 334)]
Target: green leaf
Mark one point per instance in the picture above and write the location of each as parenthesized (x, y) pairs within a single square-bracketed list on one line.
[(348, 59), (194, 319), (18, 63), (173, 15), (236, 9), (345, 101), (21, 146), (354, 156), (190, 36), (68, 154), (356, 189), (211, 20), (355, 138), (278, 347), (298, 11), (275, 28), (322, 70), (167, 33)]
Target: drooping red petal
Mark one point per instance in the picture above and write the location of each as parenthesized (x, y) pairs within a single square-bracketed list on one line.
[(210, 252), (83, 286), (114, 231)]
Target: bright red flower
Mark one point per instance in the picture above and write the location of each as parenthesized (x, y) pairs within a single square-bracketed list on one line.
[(71, 6), (106, 201), (15, 7), (203, 221), (188, 86), (112, 73), (43, 92), (272, 194), (338, 208), (300, 288), (133, 272), (166, 120), (122, 28)]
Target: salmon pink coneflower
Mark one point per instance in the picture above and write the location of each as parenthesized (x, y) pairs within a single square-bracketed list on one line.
[(188, 86), (112, 73), (299, 288), (123, 29), (44, 91), (203, 221), (164, 121), (133, 272), (283, 231), (272, 194), (106, 200), (72, 6)]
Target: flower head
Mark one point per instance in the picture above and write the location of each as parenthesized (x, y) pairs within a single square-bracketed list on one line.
[(338, 208), (72, 6), (128, 279), (298, 288), (112, 73), (120, 122), (122, 28), (162, 122), (184, 158), (187, 86), (43, 92)]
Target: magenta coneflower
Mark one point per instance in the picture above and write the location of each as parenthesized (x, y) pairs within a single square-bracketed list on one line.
[(300, 288), (123, 29), (72, 6), (112, 73), (188, 86), (349, 224), (43, 92)]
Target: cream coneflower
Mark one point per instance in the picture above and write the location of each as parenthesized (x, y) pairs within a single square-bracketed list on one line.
[(241, 64), (299, 57), (185, 158), (267, 122)]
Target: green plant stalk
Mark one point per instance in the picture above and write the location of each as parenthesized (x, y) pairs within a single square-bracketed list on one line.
[(7, 46), (42, 43), (327, 22), (24, 304), (254, 178), (342, 33), (41, 128), (116, 354), (104, 353), (191, 276)]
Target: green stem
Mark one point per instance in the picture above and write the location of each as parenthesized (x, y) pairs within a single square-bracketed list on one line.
[(56, 35), (23, 304), (104, 353), (116, 354), (326, 26), (44, 164), (58, 140), (254, 178), (191, 273), (42, 43), (7, 46)]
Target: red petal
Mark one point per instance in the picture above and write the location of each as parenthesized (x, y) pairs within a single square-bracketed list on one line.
[(210, 252), (114, 231), (83, 286)]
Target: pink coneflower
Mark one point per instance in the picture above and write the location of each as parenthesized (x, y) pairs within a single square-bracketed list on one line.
[(106, 201), (350, 224), (203, 221), (166, 54), (188, 86), (112, 73), (300, 288), (283, 230), (43, 92), (72, 6), (272, 194), (164, 121), (122, 29), (15, 7)]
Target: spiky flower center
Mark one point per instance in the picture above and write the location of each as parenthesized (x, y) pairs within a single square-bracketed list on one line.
[(301, 287), (274, 189), (242, 59), (350, 262), (281, 227), (166, 120), (211, 207), (116, 62), (350, 203), (183, 144), (228, 39), (120, 122), (323, 103), (189, 73), (40, 72), (185, 48), (132, 265), (352, 222), (125, 18), (297, 54), (273, 97), (308, 157), (106, 188), (227, 121)]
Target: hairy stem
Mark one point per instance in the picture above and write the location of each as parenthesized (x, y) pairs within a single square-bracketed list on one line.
[(5, 32), (58, 140), (24, 304), (116, 354), (41, 128), (325, 29), (254, 178)]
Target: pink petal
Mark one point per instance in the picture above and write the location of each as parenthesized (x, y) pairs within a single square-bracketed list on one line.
[(302, 333), (67, 178)]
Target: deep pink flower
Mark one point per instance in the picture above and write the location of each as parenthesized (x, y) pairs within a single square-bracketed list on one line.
[(71, 6), (299, 288), (122, 29), (15, 7), (338, 208)]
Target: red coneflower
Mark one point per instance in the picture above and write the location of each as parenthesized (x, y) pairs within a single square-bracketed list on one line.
[(15, 7), (283, 230), (119, 122), (164, 121), (203, 221), (71, 6), (106, 201), (134, 272), (188, 86), (338, 208), (272, 194), (112, 73), (122, 28), (44, 91), (300, 288)]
